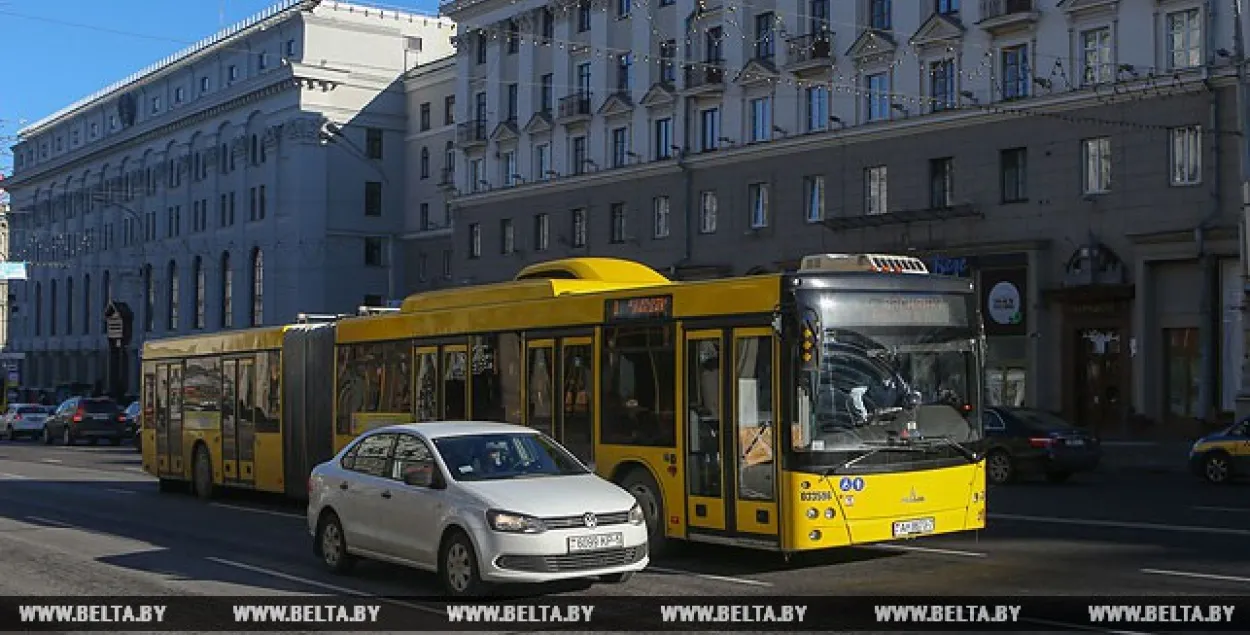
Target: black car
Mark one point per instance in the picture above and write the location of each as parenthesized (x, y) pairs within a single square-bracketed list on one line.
[(1022, 441), (91, 418)]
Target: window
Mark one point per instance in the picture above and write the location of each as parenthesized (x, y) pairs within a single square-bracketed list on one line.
[(814, 198), (455, 401), (542, 161), (663, 138), (227, 292), (1096, 155), (412, 455), (1187, 155), (1015, 72), (495, 364), (761, 119), (475, 175), (583, 79), (817, 108), (876, 183), (1096, 64), (946, 6), (941, 183), (372, 456), (622, 7), (618, 220), (703, 399), (180, 94), (425, 163), (424, 218), (373, 136), (578, 388), (639, 372), (69, 305), (707, 212), (668, 65), (542, 232), (204, 85), (1013, 165), (374, 252), (149, 299), (262, 61), (427, 385), (709, 136), (514, 37), (507, 163), (579, 228), (660, 215), (624, 64), (507, 237), (579, 155), (1183, 371), (764, 30), (620, 147), (583, 16), (475, 240), (447, 264), (757, 194), (173, 299), (198, 272), (232, 73), (510, 108), (449, 162), (879, 14), (373, 198), (753, 362), (877, 101), (258, 287), (480, 47), (54, 316), (87, 316), (548, 25), (546, 96), (1184, 39), (449, 110), (942, 85), (156, 107), (540, 388)]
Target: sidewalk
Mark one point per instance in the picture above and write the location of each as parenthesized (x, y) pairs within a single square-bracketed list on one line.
[(1158, 457)]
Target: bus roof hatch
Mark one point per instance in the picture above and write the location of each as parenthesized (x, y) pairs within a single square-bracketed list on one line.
[(879, 263)]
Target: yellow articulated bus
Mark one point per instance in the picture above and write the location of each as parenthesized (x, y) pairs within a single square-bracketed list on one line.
[(837, 405)]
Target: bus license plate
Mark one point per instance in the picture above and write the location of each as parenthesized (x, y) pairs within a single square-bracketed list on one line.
[(913, 527), (596, 542)]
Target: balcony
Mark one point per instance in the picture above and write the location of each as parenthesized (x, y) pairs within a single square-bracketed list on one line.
[(1002, 16), (809, 52), (447, 178), (705, 78), (575, 108), (471, 133)]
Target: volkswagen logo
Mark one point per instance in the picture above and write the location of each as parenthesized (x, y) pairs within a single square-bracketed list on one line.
[(590, 520)]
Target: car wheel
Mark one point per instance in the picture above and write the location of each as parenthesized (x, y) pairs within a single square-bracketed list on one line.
[(202, 468), (331, 545), (1217, 468), (1058, 477), (66, 437), (645, 490), (617, 578), (457, 567), (999, 468), (47, 436)]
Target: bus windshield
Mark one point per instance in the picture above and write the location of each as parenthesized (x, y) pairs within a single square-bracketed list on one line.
[(887, 384)]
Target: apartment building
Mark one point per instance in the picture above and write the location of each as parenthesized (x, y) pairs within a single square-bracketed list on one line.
[(430, 174), (1077, 158)]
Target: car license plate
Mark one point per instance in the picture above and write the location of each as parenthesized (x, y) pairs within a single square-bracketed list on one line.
[(1076, 442), (596, 542), (913, 527)]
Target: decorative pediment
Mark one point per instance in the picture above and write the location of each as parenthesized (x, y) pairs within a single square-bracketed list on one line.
[(938, 29), (505, 131), (659, 95), (872, 45), (540, 122), (1082, 8), (617, 103), (756, 72)]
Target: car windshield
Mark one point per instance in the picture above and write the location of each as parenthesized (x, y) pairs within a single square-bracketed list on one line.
[(1040, 420), (881, 384), (485, 457), (132, 409)]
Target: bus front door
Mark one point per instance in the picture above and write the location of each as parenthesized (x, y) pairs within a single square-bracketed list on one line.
[(230, 421), (707, 507), (753, 382), (160, 423)]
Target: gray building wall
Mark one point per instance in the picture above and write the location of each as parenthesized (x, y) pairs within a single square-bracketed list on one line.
[(430, 175)]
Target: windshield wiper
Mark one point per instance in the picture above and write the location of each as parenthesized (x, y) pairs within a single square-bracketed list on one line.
[(963, 450), (869, 448)]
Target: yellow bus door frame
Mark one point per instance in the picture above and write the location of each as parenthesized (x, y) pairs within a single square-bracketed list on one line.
[(177, 442), (230, 420), (445, 368), (540, 407), (753, 438), (245, 425), (571, 404), (707, 504), (160, 414)]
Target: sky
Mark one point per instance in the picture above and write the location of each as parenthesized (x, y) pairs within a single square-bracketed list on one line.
[(55, 52)]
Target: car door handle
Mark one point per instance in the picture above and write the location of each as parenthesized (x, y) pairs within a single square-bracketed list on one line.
[(386, 494), (343, 485)]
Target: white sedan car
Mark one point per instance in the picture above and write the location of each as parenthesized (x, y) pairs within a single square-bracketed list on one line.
[(476, 502), (24, 419)]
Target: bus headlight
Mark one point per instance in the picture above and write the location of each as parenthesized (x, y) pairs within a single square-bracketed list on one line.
[(829, 513), (812, 513)]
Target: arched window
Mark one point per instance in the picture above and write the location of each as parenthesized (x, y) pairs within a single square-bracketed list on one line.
[(173, 296), (52, 308), (258, 287), (227, 292), (449, 160), (69, 305), (149, 299), (425, 163), (106, 288), (38, 308), (86, 304), (198, 272)]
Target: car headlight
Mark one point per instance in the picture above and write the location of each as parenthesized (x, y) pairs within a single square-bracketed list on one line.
[(514, 523), (636, 516)]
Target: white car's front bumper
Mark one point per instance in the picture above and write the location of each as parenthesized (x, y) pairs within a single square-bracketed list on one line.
[(546, 557)]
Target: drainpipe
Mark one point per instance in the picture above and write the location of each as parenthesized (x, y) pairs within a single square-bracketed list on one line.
[(1209, 308)]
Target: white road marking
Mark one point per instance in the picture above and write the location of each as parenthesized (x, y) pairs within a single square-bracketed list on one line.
[(49, 521), (322, 585), (1090, 522), (1078, 627), (948, 552), (709, 576), (18, 477), (119, 491), (1204, 576), (1232, 510), (52, 460), (255, 510)]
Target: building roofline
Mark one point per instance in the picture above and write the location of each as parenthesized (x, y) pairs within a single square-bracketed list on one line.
[(441, 64)]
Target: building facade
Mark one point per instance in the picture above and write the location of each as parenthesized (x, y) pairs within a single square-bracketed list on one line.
[(1078, 158), (254, 176), (429, 178)]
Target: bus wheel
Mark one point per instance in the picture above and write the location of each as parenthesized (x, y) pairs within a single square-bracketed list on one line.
[(645, 490), (203, 471)]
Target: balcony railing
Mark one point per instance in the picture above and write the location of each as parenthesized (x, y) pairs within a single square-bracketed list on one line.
[(991, 9), (809, 48), (575, 105), (708, 75), (447, 177), (471, 132)]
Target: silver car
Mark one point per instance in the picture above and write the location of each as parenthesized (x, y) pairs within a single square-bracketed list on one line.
[(24, 420)]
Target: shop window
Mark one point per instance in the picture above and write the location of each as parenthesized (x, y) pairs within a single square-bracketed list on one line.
[(454, 385), (1183, 368), (496, 376), (427, 386), (703, 394), (1006, 360), (638, 386), (541, 384), (753, 370), (577, 382)]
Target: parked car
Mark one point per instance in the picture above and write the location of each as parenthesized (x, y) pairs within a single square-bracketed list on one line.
[(24, 420), (478, 503), (91, 418), (132, 424), (1027, 441), (1223, 455)]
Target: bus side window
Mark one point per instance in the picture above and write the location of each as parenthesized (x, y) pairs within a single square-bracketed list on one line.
[(427, 386), (639, 386), (541, 381), (577, 382), (754, 404)]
